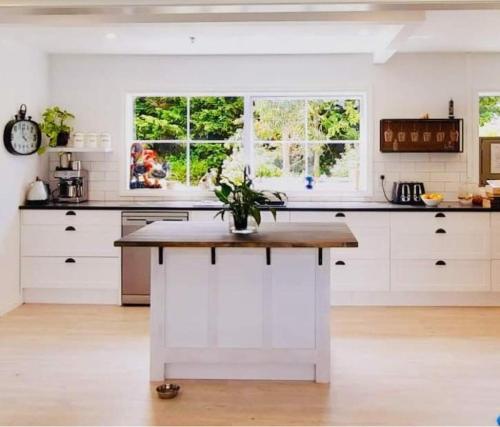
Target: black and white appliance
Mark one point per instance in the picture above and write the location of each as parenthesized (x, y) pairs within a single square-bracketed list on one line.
[(136, 261), (407, 193)]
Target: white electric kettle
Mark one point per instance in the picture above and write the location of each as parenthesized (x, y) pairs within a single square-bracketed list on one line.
[(38, 193)]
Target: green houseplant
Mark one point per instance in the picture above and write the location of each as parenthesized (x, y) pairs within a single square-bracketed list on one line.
[(242, 201), (54, 125)]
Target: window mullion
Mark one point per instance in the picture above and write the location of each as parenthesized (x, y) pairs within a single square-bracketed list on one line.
[(247, 140), (306, 137), (188, 143)]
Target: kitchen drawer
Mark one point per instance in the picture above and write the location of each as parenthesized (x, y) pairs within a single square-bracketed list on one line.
[(495, 275), (360, 274), (429, 244), (71, 217), (462, 222), (428, 275), (352, 219), (373, 243), (70, 273), (495, 235), (79, 240)]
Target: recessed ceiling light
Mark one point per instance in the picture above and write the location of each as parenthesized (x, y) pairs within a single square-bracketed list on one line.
[(111, 36)]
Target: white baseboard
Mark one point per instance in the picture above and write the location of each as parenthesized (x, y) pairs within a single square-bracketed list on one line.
[(464, 299), (72, 296), (5, 308)]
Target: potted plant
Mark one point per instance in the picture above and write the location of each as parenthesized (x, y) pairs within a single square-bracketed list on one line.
[(54, 125), (242, 201)]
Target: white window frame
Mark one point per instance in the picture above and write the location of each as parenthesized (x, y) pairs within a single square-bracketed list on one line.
[(247, 142)]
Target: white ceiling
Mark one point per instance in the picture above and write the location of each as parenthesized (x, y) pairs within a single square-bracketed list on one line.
[(431, 31)]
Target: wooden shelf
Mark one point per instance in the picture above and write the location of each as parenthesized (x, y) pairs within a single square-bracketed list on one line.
[(421, 135), (78, 150)]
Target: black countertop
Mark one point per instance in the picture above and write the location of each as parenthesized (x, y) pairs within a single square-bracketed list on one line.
[(291, 206)]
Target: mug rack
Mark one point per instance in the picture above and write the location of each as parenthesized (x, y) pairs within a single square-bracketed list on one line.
[(421, 135)]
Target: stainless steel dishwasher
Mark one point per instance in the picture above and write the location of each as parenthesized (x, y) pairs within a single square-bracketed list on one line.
[(136, 261)]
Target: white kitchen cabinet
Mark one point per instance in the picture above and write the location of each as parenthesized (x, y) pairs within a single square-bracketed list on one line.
[(366, 219), (495, 235), (353, 275), (435, 235), (68, 240), (440, 275), (70, 217), (68, 256), (365, 268), (495, 275), (70, 272)]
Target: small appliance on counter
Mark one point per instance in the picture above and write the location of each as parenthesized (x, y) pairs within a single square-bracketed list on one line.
[(407, 193), (38, 193), (72, 186)]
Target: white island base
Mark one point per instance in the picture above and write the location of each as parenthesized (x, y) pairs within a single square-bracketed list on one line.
[(240, 313)]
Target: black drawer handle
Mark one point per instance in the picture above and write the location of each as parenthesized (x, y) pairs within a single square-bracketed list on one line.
[(440, 262), (70, 228), (340, 215), (70, 213), (70, 261), (440, 215), (440, 231), (340, 263)]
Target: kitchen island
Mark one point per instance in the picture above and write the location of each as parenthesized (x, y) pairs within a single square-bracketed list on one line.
[(226, 306)]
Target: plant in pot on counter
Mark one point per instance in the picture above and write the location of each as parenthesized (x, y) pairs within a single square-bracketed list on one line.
[(242, 201), (55, 126)]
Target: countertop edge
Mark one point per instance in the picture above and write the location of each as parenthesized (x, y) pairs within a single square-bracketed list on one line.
[(187, 207), (250, 244)]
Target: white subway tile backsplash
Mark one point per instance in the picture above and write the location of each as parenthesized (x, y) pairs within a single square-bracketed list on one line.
[(414, 176), (415, 157), (430, 167), (112, 176), (440, 172), (445, 176), (456, 166), (95, 195), (435, 187), (96, 176), (105, 166), (399, 166), (92, 157), (452, 186)]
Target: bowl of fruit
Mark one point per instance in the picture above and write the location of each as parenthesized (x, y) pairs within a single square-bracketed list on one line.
[(432, 199)]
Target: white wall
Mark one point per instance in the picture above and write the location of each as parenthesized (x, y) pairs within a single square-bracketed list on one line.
[(23, 79), (94, 88)]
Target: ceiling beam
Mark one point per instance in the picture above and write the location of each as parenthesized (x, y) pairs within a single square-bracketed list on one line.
[(382, 55)]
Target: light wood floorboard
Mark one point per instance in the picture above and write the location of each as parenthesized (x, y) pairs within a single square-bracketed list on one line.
[(88, 365)]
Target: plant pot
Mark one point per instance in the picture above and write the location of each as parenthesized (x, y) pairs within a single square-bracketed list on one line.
[(240, 223), (62, 139)]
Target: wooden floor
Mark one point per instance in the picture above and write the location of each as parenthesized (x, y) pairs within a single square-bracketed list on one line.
[(84, 365)]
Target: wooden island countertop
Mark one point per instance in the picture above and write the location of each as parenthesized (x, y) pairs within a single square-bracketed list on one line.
[(269, 235)]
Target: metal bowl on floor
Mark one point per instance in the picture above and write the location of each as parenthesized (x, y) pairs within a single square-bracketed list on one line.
[(168, 391)]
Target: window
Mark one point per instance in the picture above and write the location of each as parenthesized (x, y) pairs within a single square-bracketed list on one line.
[(489, 115), (186, 142), (179, 141)]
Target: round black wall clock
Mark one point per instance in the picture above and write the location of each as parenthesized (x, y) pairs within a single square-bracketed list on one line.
[(22, 136)]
